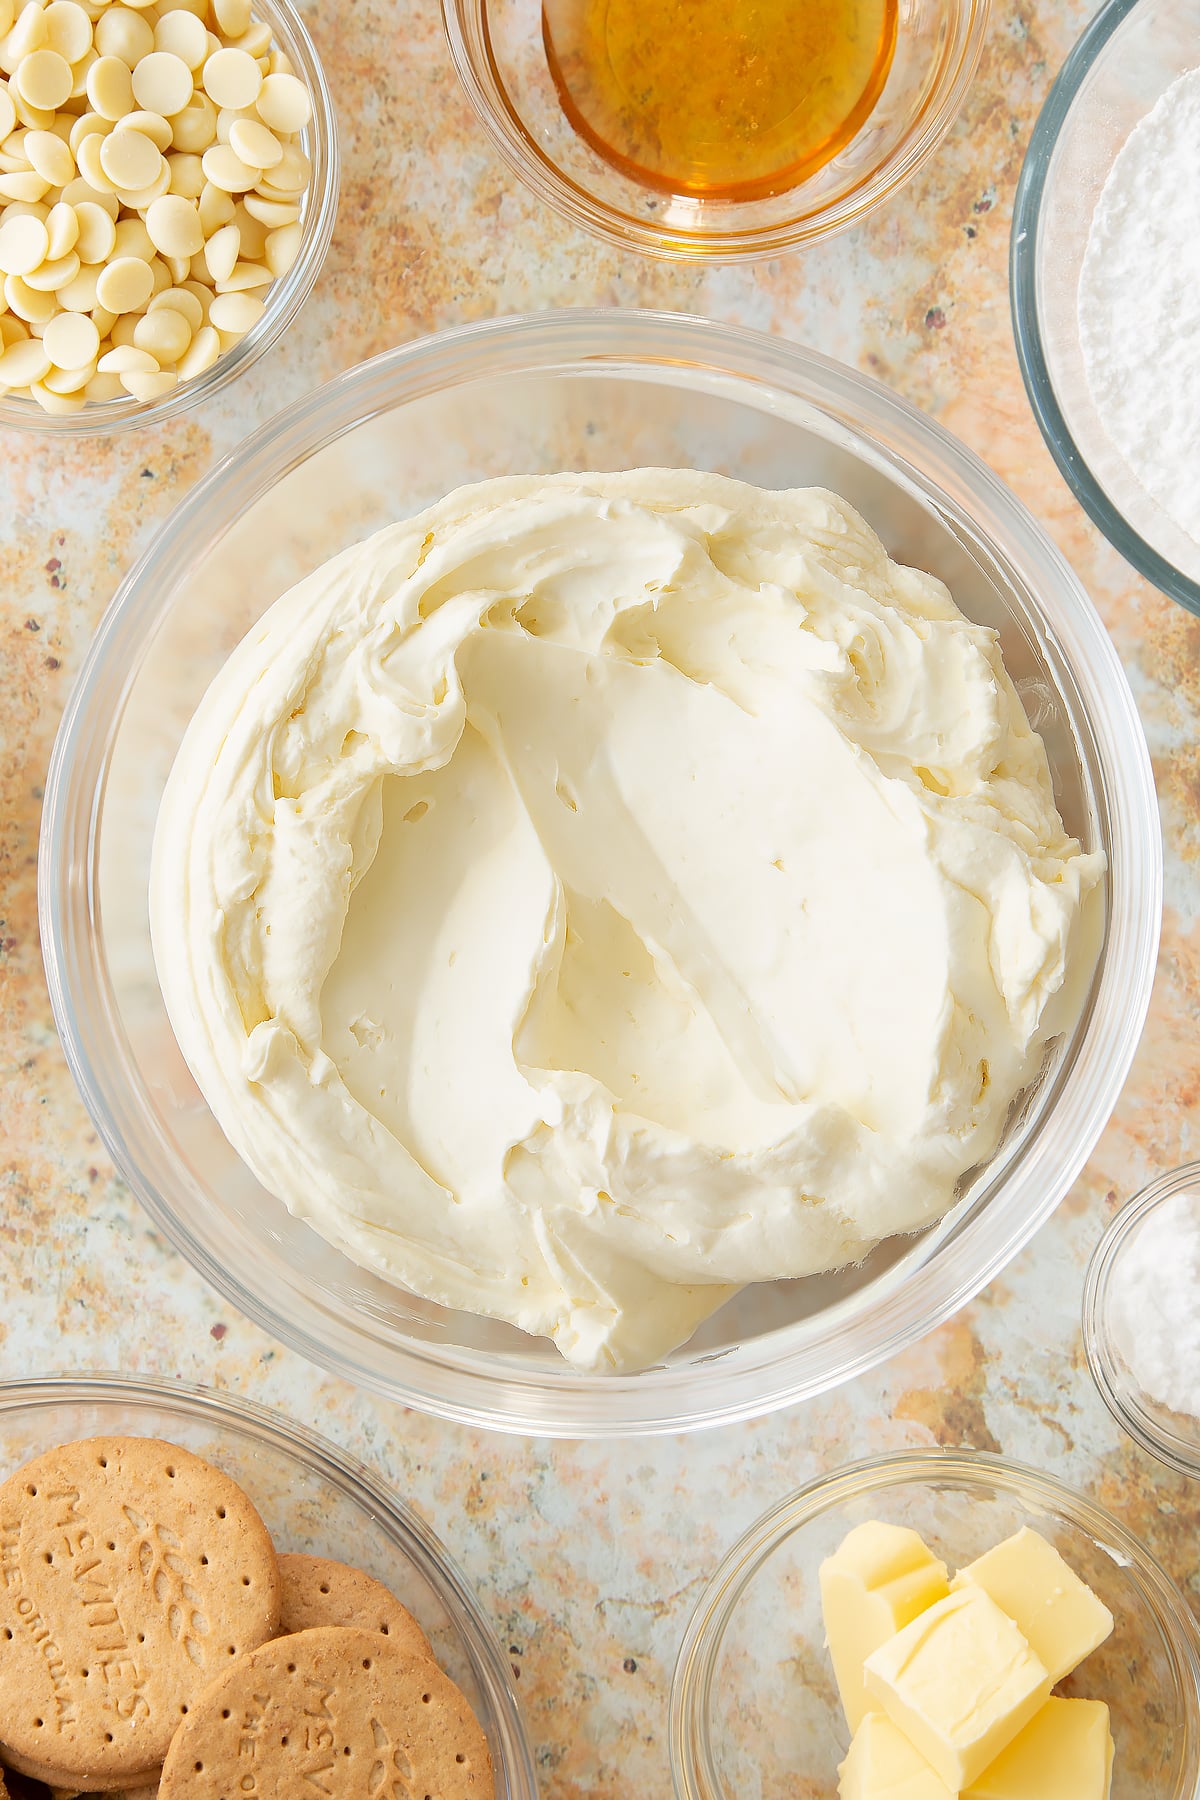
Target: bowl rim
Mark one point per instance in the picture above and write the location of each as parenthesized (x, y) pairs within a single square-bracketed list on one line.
[(463, 1386), (693, 1765), (1117, 1389), (1024, 262), (471, 52), (351, 1476), (285, 296)]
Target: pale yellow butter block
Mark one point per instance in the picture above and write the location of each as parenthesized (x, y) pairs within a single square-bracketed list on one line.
[(1054, 1610), (877, 1580), (1064, 1753), (881, 1764), (960, 1682)]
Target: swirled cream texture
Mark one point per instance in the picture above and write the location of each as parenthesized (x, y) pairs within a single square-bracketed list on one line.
[(602, 891)]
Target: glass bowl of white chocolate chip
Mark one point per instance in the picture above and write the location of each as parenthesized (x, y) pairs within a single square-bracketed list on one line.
[(936, 1623), (637, 1291), (168, 189)]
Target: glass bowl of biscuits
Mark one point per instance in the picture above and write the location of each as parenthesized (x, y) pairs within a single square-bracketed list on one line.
[(196, 1590)]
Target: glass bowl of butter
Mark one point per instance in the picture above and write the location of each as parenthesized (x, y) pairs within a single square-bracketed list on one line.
[(1015, 1631), (315, 1500), (530, 398)]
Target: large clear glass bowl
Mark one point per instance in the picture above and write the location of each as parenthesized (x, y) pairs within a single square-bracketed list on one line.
[(501, 60), (313, 1498), (1129, 55), (595, 390), (754, 1709)]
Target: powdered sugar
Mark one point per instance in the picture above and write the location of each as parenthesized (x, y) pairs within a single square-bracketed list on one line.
[(1155, 1303), (1139, 303)]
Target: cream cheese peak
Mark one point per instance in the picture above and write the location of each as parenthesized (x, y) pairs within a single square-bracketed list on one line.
[(601, 891)]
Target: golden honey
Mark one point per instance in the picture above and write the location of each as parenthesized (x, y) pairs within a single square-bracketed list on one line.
[(719, 99)]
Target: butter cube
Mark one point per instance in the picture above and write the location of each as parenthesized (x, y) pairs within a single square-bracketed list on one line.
[(882, 1765), (1056, 1612), (877, 1580), (960, 1682), (1064, 1753)]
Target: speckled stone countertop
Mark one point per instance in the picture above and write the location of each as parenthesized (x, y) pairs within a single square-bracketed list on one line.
[(589, 1558)]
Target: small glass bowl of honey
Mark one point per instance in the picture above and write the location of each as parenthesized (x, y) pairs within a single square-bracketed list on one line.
[(716, 129)]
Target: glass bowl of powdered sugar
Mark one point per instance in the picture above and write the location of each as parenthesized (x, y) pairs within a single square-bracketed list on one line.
[(1141, 1318), (1106, 283)]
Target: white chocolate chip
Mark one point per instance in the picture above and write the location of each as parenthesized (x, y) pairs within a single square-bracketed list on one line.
[(26, 302), (187, 174), (195, 128), (231, 78), (110, 87), (246, 275), (69, 381), (232, 16), (283, 103), (202, 353), (257, 147), (29, 186), (24, 244), (53, 275), (97, 233), (226, 170), (24, 362), (128, 159), (125, 34), (125, 359), (71, 341), (178, 299), (62, 228), (151, 386), (163, 83), (79, 295), (183, 35), (51, 402), (282, 249), (216, 208), (174, 226), (68, 30), (50, 157), (235, 312), (125, 285), (43, 79), (221, 252), (271, 213), (104, 387), (88, 124), (151, 125), (132, 239), (165, 333)]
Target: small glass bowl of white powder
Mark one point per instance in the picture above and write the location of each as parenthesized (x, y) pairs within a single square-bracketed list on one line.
[(1141, 1318), (1106, 283)]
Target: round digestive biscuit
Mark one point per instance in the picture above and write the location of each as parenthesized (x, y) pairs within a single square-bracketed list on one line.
[(38, 1780), (315, 1592), (131, 1574), (333, 1711)]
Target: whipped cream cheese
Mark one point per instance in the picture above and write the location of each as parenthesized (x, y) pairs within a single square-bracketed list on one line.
[(601, 891)]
